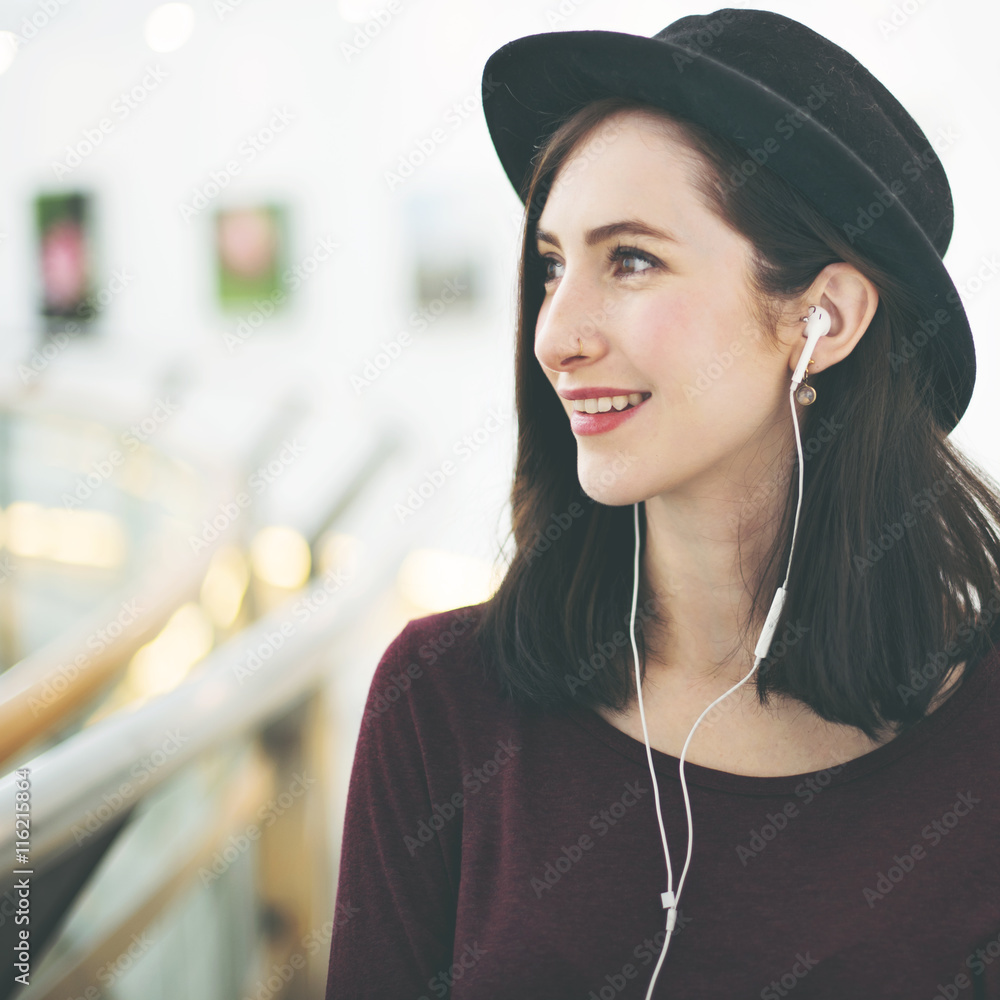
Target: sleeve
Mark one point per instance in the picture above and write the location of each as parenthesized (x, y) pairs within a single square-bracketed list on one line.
[(394, 930)]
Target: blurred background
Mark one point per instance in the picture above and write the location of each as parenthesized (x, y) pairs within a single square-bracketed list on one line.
[(256, 413)]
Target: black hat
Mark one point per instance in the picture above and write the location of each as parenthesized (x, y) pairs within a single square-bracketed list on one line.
[(795, 101)]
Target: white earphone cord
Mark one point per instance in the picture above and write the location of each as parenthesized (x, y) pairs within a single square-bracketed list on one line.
[(669, 899)]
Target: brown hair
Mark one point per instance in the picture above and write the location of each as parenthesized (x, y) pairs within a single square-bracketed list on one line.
[(895, 522)]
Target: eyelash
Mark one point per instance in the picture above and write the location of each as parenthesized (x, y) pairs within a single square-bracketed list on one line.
[(619, 252)]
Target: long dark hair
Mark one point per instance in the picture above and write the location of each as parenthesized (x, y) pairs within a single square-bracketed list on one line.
[(895, 522)]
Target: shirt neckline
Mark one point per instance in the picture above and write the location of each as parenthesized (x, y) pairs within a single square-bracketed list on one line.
[(668, 766)]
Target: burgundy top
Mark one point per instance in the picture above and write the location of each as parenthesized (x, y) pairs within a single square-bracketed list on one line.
[(491, 852)]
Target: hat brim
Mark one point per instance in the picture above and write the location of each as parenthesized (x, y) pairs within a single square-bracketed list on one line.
[(532, 84)]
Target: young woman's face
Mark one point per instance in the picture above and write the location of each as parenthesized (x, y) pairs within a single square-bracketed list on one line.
[(667, 315)]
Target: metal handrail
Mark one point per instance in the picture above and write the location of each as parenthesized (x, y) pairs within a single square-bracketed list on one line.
[(228, 695), (50, 684), (30, 705), (46, 687), (250, 782)]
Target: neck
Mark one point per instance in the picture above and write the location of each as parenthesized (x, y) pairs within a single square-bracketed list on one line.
[(703, 553)]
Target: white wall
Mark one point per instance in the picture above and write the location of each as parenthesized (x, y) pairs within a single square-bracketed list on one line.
[(353, 119)]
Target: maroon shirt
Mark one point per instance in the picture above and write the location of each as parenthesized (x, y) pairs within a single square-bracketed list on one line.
[(491, 852)]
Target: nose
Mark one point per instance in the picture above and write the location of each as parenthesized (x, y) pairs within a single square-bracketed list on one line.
[(571, 330)]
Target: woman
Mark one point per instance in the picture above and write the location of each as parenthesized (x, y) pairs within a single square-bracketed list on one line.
[(739, 358)]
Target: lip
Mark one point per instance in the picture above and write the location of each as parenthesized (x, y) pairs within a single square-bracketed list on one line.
[(597, 390), (600, 423)]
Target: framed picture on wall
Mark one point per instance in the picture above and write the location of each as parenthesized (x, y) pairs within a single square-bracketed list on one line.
[(250, 245), (63, 227)]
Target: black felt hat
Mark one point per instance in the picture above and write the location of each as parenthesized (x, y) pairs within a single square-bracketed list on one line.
[(795, 101)]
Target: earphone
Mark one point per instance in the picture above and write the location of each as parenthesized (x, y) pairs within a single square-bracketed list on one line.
[(817, 325)]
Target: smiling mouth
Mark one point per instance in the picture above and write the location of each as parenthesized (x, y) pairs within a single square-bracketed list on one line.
[(604, 404)]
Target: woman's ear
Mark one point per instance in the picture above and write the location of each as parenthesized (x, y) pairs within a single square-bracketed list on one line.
[(850, 299)]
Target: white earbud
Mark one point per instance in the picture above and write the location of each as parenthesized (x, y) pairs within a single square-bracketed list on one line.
[(817, 325)]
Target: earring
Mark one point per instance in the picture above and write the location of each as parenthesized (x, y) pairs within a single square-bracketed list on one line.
[(806, 394)]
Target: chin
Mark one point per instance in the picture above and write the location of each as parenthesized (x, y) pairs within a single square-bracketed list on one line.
[(610, 483)]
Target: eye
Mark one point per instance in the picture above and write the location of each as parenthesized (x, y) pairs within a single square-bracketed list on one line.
[(623, 254), (547, 263), (632, 262)]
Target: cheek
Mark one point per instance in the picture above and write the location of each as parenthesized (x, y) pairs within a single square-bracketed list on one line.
[(698, 350), (539, 327), (671, 339)]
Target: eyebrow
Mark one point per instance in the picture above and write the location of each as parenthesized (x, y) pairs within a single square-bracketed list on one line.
[(630, 227)]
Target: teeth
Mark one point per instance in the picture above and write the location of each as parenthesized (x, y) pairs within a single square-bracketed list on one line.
[(601, 404)]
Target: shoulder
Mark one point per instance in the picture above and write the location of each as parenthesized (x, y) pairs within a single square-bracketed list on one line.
[(434, 666), (445, 635), (431, 709), (436, 643)]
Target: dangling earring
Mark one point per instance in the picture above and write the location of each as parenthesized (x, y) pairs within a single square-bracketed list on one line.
[(806, 394)]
